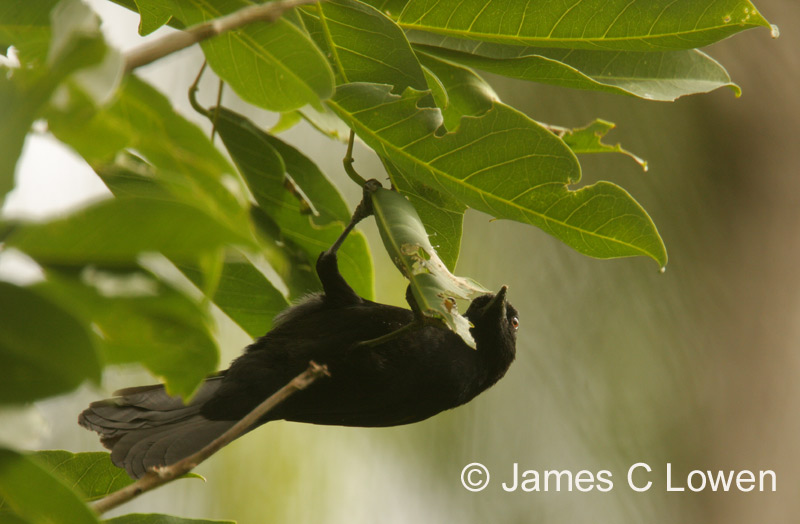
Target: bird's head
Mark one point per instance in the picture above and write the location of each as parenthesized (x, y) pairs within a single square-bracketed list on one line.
[(495, 323)]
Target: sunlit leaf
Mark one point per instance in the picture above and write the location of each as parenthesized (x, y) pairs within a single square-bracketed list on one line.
[(655, 25), (44, 349), (504, 164)]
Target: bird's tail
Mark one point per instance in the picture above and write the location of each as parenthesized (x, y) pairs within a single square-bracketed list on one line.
[(144, 427)]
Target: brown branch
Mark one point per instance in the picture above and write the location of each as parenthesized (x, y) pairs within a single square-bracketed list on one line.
[(159, 476), (168, 44)]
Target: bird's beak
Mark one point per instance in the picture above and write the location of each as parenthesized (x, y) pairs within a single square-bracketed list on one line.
[(496, 306)]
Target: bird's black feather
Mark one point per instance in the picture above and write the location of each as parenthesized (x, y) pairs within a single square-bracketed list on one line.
[(405, 379)]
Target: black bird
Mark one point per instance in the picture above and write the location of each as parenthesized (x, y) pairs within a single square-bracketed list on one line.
[(399, 379)]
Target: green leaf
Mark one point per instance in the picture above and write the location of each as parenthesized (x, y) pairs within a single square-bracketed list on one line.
[(286, 121), (312, 223), (138, 319), (391, 8), (36, 495), (317, 196), (241, 291), (154, 518), (663, 76), (44, 350), (504, 164), (275, 66), (434, 288), (130, 176), (18, 110), (441, 214), (244, 294), (154, 14), (26, 26), (589, 139), (141, 119), (6, 517), (622, 25), (25, 91), (289, 260), (467, 93), (364, 45), (132, 5), (326, 122), (116, 231), (77, 47), (93, 475)]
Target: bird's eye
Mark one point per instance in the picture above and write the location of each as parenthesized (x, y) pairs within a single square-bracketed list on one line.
[(515, 323)]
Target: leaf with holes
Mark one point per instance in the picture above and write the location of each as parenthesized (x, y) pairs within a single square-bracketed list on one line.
[(433, 287), (504, 164), (441, 214), (589, 139)]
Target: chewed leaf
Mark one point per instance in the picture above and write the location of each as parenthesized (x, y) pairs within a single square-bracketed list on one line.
[(504, 164), (442, 215), (589, 139), (433, 287)]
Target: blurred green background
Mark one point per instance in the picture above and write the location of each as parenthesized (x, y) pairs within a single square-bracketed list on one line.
[(616, 363)]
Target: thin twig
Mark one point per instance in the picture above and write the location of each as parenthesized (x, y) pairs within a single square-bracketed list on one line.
[(159, 476), (168, 44)]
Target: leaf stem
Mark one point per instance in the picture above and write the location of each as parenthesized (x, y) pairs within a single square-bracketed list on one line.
[(173, 42), (193, 91), (159, 476), (348, 162), (216, 109)]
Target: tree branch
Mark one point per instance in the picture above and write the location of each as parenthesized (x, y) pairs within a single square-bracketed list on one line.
[(173, 42), (159, 476)]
